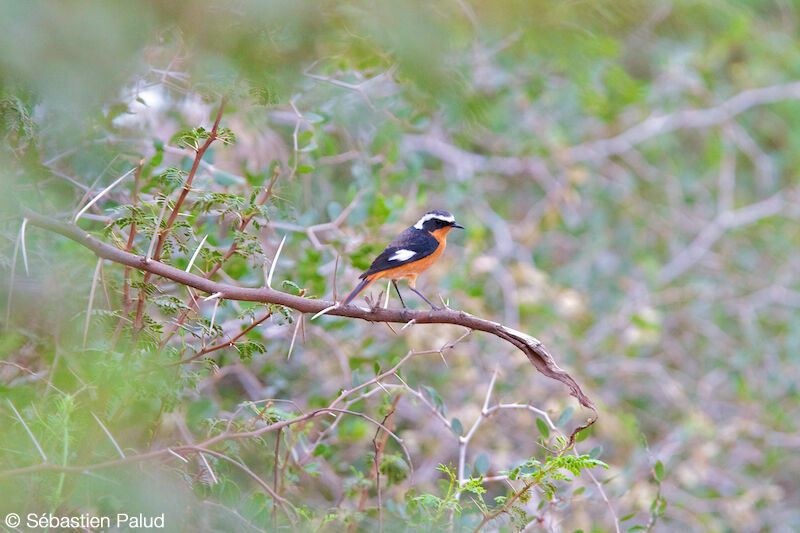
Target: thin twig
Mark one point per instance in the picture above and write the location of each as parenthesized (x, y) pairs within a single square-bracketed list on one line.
[(231, 342)]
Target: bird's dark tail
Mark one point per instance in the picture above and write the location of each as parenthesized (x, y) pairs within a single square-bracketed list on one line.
[(361, 286)]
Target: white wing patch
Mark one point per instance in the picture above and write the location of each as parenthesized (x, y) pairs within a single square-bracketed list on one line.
[(429, 216), (402, 255)]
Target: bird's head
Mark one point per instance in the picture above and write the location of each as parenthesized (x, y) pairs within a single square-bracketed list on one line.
[(437, 221)]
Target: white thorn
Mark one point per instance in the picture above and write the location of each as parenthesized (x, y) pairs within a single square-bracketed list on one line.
[(215, 295), (214, 314), (108, 434), (100, 195), (294, 335), (194, 256), (178, 456), (22, 244), (275, 262), (30, 434), (208, 467), (379, 384), (388, 287), (334, 306), (91, 300), (409, 324)]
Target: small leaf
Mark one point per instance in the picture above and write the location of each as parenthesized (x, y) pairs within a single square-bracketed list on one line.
[(578, 491), (482, 464), (627, 517), (305, 169), (313, 117), (456, 427), (306, 135), (543, 429), (321, 449), (658, 471), (595, 452)]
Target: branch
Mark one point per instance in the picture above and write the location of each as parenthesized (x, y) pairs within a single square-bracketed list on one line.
[(686, 119), (468, 163), (162, 234), (535, 351)]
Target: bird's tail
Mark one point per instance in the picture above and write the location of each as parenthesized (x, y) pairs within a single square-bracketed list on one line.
[(361, 286)]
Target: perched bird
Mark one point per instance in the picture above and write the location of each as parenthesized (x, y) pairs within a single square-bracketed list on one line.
[(410, 254)]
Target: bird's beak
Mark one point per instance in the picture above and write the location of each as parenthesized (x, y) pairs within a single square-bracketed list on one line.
[(457, 226)]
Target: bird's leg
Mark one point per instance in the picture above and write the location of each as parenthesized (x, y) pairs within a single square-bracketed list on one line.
[(396, 288), (412, 284), (428, 301)]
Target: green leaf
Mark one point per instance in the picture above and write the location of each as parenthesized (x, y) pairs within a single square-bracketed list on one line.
[(394, 468), (312, 117), (226, 136), (543, 429), (305, 169), (292, 284), (456, 427), (658, 471), (437, 400), (321, 449), (627, 517), (228, 492), (482, 464)]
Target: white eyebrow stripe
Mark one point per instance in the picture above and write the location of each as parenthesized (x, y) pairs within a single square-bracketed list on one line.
[(430, 216), (402, 255)]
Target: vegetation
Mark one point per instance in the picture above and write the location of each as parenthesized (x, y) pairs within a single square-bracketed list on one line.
[(626, 175)]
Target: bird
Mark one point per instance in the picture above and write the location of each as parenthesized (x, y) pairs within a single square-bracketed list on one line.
[(410, 254)]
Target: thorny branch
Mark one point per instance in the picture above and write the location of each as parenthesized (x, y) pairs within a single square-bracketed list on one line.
[(535, 351)]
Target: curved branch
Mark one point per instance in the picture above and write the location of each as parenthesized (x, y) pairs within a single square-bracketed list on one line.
[(535, 351)]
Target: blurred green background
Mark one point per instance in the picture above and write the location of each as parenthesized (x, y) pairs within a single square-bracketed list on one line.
[(626, 172)]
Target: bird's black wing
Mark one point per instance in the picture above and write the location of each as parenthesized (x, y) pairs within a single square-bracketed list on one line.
[(399, 251)]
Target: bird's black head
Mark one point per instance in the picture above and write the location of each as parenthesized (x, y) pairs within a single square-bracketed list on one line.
[(436, 219)]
